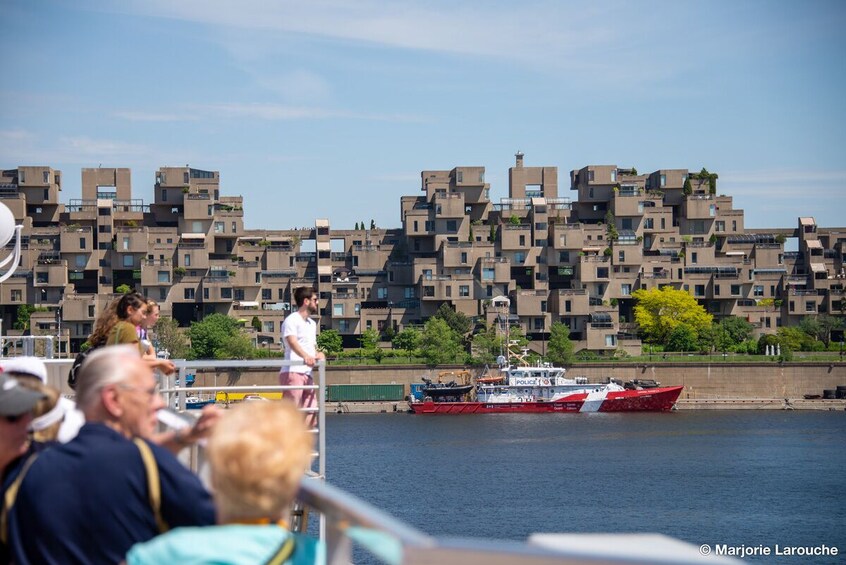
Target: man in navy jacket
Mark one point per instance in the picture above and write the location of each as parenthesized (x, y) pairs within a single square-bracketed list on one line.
[(88, 501)]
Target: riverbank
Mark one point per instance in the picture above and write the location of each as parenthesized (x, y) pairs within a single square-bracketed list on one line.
[(709, 404)]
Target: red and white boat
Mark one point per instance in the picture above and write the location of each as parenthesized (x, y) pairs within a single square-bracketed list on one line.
[(546, 389)]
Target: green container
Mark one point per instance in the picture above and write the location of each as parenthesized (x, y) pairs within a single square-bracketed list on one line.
[(365, 393)]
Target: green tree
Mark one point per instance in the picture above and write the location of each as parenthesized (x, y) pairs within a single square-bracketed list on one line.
[(24, 313), (369, 340), (683, 338), (486, 345), (372, 224), (123, 289), (330, 342), (408, 339), (819, 327), (457, 321), (560, 349), (237, 346), (210, 334), (659, 311), (256, 323), (687, 189), (737, 331), (171, 338), (438, 344), (514, 220)]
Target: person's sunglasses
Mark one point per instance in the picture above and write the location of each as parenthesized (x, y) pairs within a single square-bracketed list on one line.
[(15, 417)]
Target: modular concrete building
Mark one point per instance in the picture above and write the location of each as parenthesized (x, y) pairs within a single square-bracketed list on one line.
[(533, 258)]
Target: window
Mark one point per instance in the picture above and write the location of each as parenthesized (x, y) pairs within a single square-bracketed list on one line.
[(810, 306), (621, 256), (239, 294), (719, 226), (162, 294), (266, 294), (344, 326), (337, 309), (464, 290), (226, 292), (648, 223), (488, 273), (568, 306), (448, 291), (543, 305), (189, 294), (409, 292), (626, 223), (451, 226), (522, 241), (663, 180), (699, 290), (463, 257), (459, 176), (694, 257), (185, 178), (602, 272), (128, 261), (614, 175), (712, 210), (428, 291), (164, 277), (381, 293), (611, 340), (82, 243), (590, 177), (563, 256), (164, 195), (205, 293), (219, 227), (716, 290), (758, 290), (626, 289), (519, 257), (792, 306), (186, 260), (538, 323), (81, 261), (429, 225)]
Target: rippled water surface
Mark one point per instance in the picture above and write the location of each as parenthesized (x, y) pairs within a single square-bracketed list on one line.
[(718, 477)]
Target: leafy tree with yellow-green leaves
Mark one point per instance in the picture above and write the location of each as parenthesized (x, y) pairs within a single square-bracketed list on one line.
[(659, 311)]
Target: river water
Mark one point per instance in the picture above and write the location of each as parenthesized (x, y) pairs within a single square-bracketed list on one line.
[(718, 477)]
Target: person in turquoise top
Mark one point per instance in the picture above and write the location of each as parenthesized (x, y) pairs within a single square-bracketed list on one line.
[(257, 454)]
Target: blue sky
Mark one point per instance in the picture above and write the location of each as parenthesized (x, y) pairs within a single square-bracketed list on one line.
[(331, 108)]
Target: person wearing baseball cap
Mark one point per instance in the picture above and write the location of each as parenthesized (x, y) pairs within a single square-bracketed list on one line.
[(16, 404)]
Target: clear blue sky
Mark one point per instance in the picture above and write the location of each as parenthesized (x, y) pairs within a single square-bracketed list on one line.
[(332, 108)]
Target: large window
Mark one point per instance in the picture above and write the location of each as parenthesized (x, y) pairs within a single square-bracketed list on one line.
[(337, 309), (164, 276), (464, 290)]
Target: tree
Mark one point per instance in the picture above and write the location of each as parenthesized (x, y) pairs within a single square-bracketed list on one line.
[(210, 334), (372, 224), (438, 344), (457, 321), (171, 338), (819, 327), (659, 311), (737, 330), (408, 339), (486, 345), (24, 313), (237, 346), (683, 338), (514, 220), (560, 349), (256, 323), (123, 289), (330, 342), (686, 188), (369, 339)]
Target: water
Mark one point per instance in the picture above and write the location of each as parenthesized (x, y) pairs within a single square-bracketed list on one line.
[(718, 477)]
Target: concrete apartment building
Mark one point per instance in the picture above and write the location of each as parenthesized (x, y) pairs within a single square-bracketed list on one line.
[(534, 258)]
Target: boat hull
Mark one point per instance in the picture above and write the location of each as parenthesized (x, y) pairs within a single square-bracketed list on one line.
[(648, 400)]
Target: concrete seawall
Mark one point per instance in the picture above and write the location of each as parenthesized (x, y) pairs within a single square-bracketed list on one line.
[(735, 381)]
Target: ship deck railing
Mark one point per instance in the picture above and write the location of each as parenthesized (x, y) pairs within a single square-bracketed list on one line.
[(346, 521)]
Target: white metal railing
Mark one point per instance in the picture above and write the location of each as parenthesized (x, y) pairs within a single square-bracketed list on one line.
[(346, 520)]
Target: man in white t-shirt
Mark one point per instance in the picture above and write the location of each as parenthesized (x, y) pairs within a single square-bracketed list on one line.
[(299, 336)]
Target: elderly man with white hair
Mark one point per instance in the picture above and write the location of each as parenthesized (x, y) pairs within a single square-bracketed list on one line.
[(90, 500)]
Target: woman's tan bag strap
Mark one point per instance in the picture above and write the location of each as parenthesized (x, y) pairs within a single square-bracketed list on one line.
[(154, 485), (9, 499), (284, 553)]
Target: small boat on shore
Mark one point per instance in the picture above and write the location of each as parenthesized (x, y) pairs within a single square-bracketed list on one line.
[(544, 388)]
